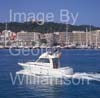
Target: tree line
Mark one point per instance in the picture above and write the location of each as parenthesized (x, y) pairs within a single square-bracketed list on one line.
[(47, 27)]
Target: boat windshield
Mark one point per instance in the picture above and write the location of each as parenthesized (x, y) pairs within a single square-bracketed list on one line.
[(43, 60)]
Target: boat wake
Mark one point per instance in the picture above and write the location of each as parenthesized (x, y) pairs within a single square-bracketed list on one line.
[(85, 76)]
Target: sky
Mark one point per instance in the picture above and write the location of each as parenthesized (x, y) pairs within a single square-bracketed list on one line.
[(87, 11)]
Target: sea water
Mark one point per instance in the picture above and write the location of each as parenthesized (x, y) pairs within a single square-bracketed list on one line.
[(82, 61)]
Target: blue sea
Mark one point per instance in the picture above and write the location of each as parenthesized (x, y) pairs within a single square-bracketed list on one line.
[(87, 61)]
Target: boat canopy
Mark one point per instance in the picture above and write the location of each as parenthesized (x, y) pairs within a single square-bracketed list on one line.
[(50, 55), (51, 59)]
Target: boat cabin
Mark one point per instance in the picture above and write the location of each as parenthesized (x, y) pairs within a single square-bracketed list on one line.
[(49, 60)]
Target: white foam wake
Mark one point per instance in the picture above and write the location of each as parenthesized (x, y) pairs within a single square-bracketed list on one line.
[(88, 76)]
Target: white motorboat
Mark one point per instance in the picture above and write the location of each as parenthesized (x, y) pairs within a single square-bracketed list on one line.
[(48, 64)]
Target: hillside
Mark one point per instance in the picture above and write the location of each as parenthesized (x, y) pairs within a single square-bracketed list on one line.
[(47, 27)]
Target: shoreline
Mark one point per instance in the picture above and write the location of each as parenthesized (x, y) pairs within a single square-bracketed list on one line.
[(48, 48)]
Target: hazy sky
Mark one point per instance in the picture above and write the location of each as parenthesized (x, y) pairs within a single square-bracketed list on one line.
[(88, 10)]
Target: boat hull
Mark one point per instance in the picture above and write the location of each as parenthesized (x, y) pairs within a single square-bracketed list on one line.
[(45, 71)]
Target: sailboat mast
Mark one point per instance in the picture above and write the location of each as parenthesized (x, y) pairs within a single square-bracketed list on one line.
[(86, 37), (67, 36), (90, 36), (5, 34), (96, 39)]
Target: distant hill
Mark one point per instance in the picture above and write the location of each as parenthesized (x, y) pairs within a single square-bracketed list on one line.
[(47, 27)]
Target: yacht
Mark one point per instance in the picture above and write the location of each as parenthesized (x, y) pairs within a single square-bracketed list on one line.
[(48, 64)]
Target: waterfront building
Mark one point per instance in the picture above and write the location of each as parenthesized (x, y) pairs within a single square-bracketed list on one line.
[(26, 38), (81, 38), (5, 37), (62, 38), (49, 38), (76, 38)]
